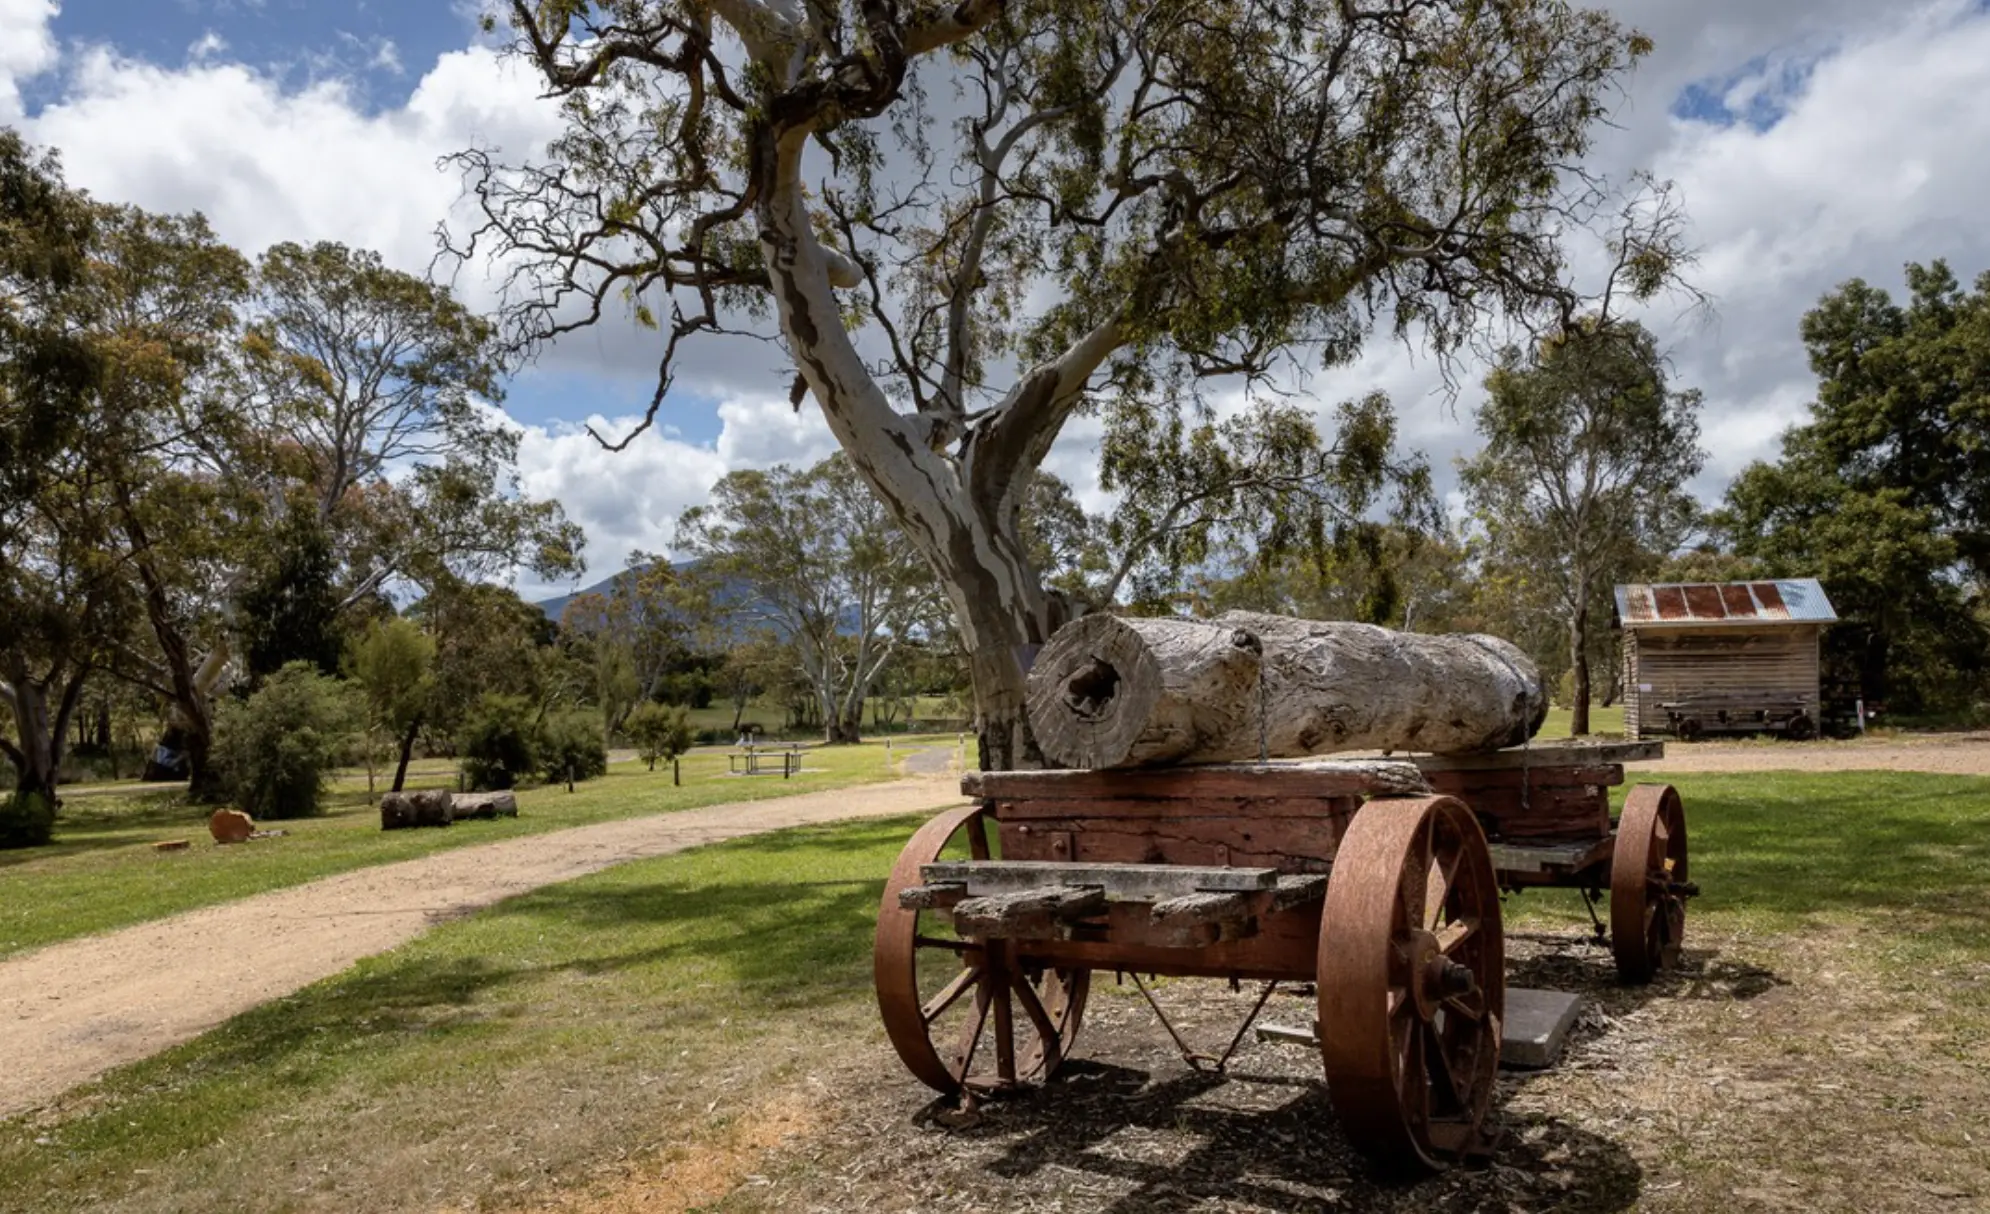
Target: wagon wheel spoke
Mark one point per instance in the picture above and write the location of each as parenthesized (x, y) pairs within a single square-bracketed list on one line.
[(1456, 1095), (952, 946), (1454, 934), (1005, 1033), (1046, 1030), (1415, 1071), (970, 1037), (1472, 1007), (951, 995), (977, 838)]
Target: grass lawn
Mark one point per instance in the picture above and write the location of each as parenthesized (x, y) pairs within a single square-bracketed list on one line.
[(1606, 721), (102, 872), (652, 1011)]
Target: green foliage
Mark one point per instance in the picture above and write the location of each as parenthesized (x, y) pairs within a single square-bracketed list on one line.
[(277, 747), (27, 819), (498, 741), (392, 662), (1262, 484), (826, 569), (1582, 480), (1903, 398), (661, 733), (571, 747), (288, 613), (1884, 494), (487, 639)]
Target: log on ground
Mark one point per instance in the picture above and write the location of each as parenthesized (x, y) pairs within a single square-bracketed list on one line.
[(1117, 692)]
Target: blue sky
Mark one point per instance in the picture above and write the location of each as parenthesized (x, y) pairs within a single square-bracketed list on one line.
[(384, 45), (1811, 141)]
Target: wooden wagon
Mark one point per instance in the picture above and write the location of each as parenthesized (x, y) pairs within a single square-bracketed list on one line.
[(1361, 878)]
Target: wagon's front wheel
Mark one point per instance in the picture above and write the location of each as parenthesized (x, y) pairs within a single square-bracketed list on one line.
[(962, 1012), (1648, 883), (1412, 982)]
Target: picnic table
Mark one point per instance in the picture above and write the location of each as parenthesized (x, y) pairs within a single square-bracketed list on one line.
[(751, 760)]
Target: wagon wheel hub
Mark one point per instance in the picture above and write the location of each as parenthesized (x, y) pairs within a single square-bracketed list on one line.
[(1435, 977)]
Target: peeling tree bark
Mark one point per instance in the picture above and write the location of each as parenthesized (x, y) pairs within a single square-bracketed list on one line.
[(1112, 692)]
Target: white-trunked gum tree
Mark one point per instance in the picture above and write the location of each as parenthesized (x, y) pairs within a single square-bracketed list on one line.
[(1030, 208)]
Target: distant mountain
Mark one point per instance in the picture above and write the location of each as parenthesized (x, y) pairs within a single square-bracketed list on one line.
[(732, 594)]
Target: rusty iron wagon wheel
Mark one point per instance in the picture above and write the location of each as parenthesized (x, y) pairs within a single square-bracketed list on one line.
[(1412, 982), (961, 1012), (1648, 883)]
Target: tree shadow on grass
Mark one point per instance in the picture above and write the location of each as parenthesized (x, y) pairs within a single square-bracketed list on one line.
[(1269, 1142)]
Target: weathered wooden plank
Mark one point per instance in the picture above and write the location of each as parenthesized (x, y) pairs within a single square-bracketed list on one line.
[(1574, 753), (1298, 890), (1287, 844), (1465, 783), (1205, 907), (1549, 858), (1314, 779), (1284, 946), (1256, 808), (1027, 913), (931, 897), (1550, 815), (1130, 882), (1199, 920)]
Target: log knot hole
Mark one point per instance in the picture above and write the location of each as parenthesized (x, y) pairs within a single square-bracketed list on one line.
[(1092, 689)]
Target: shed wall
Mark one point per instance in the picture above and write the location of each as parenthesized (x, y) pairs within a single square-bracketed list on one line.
[(1662, 665)]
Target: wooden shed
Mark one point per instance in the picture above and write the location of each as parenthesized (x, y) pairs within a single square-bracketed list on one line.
[(1722, 657)]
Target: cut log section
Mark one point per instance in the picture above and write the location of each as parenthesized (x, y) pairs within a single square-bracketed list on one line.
[(1115, 692)]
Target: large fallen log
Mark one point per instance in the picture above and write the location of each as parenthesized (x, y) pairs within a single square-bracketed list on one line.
[(1109, 691)]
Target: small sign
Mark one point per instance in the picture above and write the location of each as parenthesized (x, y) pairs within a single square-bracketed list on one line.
[(1644, 686)]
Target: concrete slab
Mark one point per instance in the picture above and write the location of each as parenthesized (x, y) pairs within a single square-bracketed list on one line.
[(1536, 1027)]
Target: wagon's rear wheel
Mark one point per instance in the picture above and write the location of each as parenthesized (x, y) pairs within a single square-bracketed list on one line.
[(1648, 883), (1412, 982), (961, 1012)]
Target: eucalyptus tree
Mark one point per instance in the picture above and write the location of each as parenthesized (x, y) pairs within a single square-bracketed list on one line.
[(1583, 475), (813, 556), (1262, 483), (1031, 206), (375, 383), (55, 595)]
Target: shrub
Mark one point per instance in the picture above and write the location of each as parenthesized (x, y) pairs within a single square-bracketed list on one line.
[(570, 747), (27, 819), (276, 747), (659, 732), (497, 742)]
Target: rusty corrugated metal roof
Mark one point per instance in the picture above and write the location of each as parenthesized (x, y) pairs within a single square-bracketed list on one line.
[(1784, 601)]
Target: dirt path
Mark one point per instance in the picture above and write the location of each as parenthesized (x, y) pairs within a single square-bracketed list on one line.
[(71, 1011), (1955, 754)]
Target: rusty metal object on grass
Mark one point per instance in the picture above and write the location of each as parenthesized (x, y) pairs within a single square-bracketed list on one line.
[(1649, 883)]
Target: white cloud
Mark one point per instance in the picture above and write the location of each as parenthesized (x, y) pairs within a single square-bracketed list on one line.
[(267, 165), (628, 501), (27, 49)]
